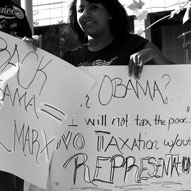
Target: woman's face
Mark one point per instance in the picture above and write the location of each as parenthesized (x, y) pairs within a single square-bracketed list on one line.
[(93, 18)]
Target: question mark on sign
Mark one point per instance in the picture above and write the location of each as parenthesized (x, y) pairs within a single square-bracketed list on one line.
[(167, 83), (168, 80)]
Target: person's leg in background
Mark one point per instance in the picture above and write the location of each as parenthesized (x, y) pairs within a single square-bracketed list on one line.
[(19, 184), (7, 182)]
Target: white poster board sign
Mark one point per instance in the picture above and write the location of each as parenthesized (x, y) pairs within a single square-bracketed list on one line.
[(128, 134), (38, 92)]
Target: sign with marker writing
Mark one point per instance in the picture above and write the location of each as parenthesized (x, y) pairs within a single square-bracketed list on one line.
[(38, 92), (128, 134)]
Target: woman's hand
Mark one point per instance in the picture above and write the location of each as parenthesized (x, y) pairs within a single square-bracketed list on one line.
[(149, 53), (32, 42), (138, 60)]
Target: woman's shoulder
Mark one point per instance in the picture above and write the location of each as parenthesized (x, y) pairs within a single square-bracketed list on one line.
[(131, 37), (133, 42)]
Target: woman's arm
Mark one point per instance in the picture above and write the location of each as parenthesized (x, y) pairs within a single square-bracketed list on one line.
[(149, 54), (156, 55)]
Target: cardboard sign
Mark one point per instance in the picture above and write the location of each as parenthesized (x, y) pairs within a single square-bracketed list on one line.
[(38, 92), (128, 134)]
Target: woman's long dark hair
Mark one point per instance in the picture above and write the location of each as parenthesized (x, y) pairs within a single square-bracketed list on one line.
[(119, 23)]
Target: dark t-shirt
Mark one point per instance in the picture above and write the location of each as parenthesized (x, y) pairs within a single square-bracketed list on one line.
[(14, 21), (116, 53)]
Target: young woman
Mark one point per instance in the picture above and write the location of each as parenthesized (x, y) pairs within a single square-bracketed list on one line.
[(103, 28), (13, 19)]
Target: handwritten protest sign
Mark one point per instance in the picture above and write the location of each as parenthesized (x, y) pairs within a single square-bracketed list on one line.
[(38, 92), (128, 134)]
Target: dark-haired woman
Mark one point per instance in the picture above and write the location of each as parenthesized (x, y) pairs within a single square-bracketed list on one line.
[(103, 28)]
